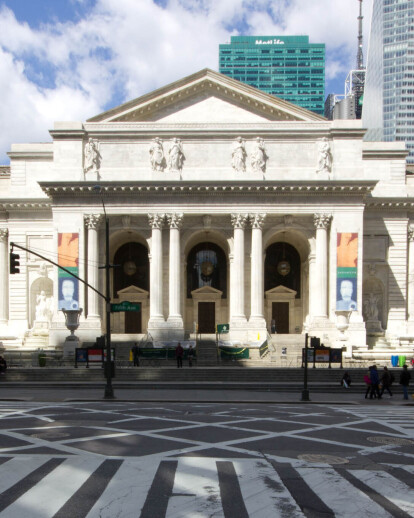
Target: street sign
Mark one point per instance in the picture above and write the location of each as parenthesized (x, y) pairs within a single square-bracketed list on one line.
[(223, 328), (125, 306)]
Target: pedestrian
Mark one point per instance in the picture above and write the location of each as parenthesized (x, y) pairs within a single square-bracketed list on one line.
[(190, 356), (346, 380), (3, 365), (367, 379), (386, 381), (135, 354), (405, 381), (374, 382), (179, 352)]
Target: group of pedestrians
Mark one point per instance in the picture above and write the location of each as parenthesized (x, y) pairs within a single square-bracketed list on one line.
[(179, 354), (377, 384)]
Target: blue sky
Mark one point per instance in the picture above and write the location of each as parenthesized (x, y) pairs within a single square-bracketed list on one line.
[(72, 59)]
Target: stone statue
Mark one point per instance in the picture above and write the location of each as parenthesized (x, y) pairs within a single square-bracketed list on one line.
[(259, 157), (371, 307), (92, 158), (44, 307), (156, 152), (239, 155), (324, 156), (176, 155)]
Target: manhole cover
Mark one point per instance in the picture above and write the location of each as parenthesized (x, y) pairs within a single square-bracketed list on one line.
[(391, 440), (325, 459), (50, 435)]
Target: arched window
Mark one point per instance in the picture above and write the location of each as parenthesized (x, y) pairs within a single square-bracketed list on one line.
[(282, 267), (133, 269), (206, 266)]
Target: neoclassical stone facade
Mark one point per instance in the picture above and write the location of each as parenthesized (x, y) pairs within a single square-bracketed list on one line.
[(225, 205)]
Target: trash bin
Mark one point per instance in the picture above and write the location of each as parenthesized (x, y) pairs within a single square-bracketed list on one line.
[(394, 361), (401, 360)]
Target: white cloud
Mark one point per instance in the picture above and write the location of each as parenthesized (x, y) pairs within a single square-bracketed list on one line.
[(125, 48)]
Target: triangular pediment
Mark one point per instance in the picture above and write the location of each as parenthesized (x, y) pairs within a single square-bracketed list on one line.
[(206, 96), (206, 290), (281, 290), (131, 290)]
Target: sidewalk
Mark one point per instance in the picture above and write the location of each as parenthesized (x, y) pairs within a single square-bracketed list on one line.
[(62, 394)]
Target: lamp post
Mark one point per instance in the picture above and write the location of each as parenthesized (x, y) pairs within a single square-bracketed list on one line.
[(109, 391)]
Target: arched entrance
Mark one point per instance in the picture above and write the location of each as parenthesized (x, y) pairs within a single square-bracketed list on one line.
[(282, 282), (206, 284), (131, 282)]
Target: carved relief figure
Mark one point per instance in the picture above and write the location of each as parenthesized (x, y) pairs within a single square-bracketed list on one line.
[(239, 155), (156, 152), (44, 307), (371, 307), (92, 159), (176, 155), (324, 156), (259, 157)]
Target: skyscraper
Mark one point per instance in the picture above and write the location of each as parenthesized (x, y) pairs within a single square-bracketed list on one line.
[(288, 67), (388, 110)]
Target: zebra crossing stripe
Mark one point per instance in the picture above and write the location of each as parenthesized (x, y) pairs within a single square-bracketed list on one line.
[(231, 496), (81, 502), (336, 491), (20, 488), (161, 490)]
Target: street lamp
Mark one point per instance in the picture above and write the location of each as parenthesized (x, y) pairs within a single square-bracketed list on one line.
[(109, 391)]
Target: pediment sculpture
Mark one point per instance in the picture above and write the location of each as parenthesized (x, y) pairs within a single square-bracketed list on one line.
[(324, 156), (259, 157), (239, 155), (157, 157), (176, 156), (92, 159)]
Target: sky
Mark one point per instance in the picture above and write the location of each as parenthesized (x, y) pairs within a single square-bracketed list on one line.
[(73, 59)]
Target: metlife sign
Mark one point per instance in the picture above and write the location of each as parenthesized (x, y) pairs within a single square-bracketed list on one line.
[(270, 42)]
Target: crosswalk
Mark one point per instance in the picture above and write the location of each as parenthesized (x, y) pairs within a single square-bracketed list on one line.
[(91, 486)]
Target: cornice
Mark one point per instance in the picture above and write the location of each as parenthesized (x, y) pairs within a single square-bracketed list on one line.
[(25, 204), (384, 154), (389, 203), (209, 188), (32, 155)]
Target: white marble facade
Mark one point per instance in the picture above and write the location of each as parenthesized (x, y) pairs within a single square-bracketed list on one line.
[(210, 162)]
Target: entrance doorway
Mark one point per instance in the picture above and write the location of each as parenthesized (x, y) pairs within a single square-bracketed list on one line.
[(280, 314), (207, 317), (133, 322)]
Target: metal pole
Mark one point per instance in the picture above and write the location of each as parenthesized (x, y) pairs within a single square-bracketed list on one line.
[(305, 391), (109, 392)]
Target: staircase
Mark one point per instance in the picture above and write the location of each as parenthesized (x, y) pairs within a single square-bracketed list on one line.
[(206, 353)]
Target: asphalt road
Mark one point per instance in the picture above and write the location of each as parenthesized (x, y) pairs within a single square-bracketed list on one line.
[(127, 459)]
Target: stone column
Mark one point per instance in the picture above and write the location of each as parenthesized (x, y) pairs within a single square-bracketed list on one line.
[(237, 279), (257, 289), (92, 222), (410, 285), (156, 281), (175, 221), (4, 233), (319, 299)]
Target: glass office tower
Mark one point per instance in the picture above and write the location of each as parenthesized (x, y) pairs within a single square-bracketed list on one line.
[(388, 109), (288, 67)]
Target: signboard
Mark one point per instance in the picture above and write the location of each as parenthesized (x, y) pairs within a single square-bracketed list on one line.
[(336, 355), (346, 271), (95, 355), (322, 355), (68, 257), (223, 328), (125, 306)]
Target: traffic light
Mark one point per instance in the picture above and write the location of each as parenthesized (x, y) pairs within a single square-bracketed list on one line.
[(315, 341), (14, 263)]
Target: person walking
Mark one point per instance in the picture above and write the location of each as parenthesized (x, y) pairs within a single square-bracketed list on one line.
[(405, 380), (3, 365), (135, 354), (367, 379), (386, 382), (374, 382), (190, 356), (179, 353), (346, 380)]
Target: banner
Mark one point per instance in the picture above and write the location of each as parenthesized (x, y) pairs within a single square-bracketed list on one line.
[(68, 257), (346, 271)]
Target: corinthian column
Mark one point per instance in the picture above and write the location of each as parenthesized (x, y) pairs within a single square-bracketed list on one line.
[(237, 278), (3, 275), (410, 285), (257, 291), (156, 222), (174, 221), (319, 299), (92, 222)]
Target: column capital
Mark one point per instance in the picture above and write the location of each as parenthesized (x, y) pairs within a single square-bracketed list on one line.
[(92, 221), (322, 220), (239, 220), (175, 220), (156, 220), (4, 232), (410, 231), (257, 220)]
